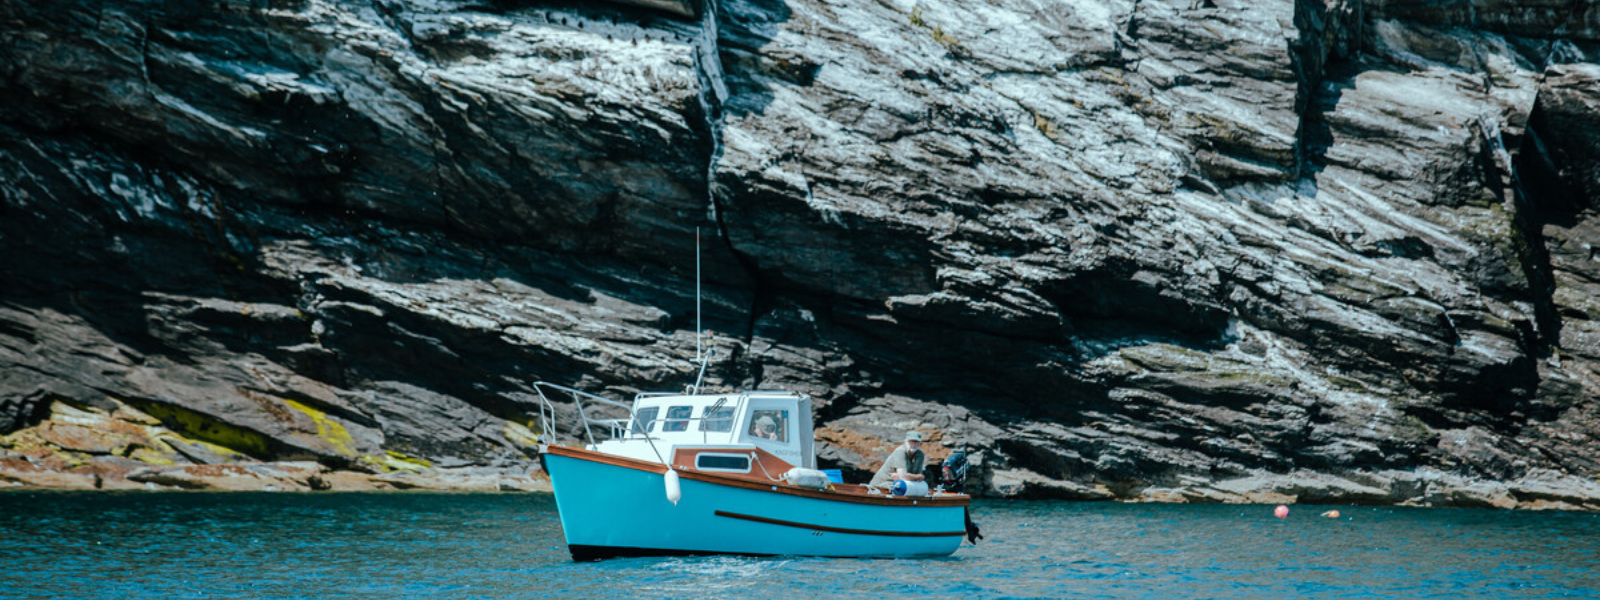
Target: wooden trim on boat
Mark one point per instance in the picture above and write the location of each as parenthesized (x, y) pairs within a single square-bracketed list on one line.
[(723, 513), (855, 494), (765, 462)]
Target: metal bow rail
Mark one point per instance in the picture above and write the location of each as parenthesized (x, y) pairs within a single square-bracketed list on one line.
[(619, 427), (547, 413)]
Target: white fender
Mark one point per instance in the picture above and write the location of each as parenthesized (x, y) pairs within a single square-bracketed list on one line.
[(674, 493)]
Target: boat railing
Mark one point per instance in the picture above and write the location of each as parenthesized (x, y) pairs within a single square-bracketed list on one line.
[(619, 427), (547, 412), (654, 394)]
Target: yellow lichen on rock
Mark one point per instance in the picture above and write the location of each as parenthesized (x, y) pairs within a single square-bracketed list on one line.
[(193, 425), (167, 437), (154, 457), (407, 462), (328, 429), (520, 434), (391, 461), (72, 436)]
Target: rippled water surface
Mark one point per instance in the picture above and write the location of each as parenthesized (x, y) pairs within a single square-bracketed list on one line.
[(419, 545)]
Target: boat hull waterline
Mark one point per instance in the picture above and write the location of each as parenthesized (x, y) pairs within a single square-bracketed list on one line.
[(614, 507)]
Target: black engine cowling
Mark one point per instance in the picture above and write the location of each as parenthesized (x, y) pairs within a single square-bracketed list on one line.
[(954, 472)]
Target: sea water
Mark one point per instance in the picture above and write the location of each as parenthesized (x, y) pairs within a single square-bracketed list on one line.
[(169, 545)]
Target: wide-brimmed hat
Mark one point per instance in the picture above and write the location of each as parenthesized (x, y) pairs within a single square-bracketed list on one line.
[(766, 422), (913, 436)]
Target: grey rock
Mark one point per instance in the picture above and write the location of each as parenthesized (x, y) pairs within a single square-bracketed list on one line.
[(1576, 19), (1316, 488), (1213, 251)]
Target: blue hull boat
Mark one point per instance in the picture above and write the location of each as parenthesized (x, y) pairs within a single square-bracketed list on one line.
[(612, 506), (725, 474)]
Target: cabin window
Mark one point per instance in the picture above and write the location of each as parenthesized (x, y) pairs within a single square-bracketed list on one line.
[(727, 463), (643, 418), (769, 425), (677, 418), (718, 420)]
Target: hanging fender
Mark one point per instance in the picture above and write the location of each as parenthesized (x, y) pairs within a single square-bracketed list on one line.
[(674, 492)]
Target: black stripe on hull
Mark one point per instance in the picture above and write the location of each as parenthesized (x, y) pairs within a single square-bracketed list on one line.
[(723, 513), (586, 553)]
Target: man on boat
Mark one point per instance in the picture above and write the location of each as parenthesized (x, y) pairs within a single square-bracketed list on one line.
[(904, 463), (767, 428)]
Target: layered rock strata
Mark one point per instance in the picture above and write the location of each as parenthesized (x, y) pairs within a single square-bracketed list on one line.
[(1160, 250)]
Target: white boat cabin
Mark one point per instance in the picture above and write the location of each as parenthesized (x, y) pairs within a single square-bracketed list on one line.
[(778, 422)]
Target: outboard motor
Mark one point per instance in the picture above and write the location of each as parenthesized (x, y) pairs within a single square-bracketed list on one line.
[(955, 476), (955, 472)]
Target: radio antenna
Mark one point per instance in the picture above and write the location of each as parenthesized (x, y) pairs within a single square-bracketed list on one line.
[(700, 355), (697, 350)]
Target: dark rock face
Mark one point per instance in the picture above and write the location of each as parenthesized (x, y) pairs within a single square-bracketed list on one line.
[(1215, 251)]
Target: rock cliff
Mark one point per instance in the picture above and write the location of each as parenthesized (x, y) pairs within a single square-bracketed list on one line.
[(1178, 250)]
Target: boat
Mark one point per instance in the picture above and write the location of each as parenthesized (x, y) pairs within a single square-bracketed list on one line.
[(692, 473), (695, 473)]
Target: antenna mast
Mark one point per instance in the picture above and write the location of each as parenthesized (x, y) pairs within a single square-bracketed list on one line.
[(701, 355), (698, 353)]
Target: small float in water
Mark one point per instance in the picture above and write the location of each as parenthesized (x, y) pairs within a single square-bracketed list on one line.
[(726, 474)]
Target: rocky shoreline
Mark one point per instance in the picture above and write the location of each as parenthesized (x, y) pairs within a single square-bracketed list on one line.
[(306, 476), (126, 449), (1339, 250)]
